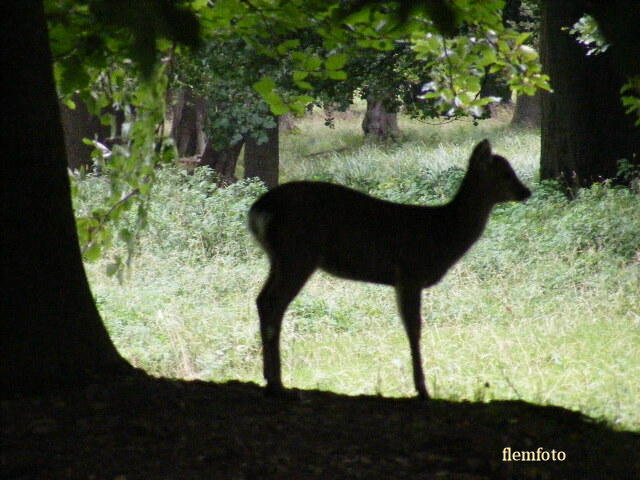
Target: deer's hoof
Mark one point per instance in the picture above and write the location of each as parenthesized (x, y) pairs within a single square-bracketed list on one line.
[(278, 391), (423, 396)]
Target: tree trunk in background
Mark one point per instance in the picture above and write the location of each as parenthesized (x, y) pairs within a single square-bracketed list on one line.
[(585, 130), (77, 125), (187, 123), (194, 149), (495, 86), (52, 334), (287, 122), (263, 160), (528, 111), (378, 123), (223, 162)]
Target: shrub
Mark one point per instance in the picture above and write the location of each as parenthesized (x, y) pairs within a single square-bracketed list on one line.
[(192, 215)]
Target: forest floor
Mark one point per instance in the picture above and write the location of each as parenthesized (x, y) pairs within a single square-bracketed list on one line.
[(147, 428)]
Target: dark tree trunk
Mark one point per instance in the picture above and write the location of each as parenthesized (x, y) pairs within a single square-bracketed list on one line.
[(223, 162), (495, 86), (528, 111), (188, 115), (378, 123), (263, 160), (187, 123), (78, 124), (585, 130), (52, 334)]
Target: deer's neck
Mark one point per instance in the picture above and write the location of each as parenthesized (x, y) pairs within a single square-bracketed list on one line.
[(470, 210)]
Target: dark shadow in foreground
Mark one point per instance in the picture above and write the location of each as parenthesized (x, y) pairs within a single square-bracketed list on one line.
[(146, 428)]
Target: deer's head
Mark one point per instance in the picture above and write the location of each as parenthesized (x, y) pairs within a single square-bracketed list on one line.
[(494, 177)]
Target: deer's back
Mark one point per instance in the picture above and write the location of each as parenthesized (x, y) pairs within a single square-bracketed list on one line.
[(350, 234)]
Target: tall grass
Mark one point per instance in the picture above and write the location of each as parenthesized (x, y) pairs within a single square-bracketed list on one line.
[(545, 308)]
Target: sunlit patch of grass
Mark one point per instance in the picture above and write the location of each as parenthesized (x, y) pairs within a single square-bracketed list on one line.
[(346, 156), (484, 340)]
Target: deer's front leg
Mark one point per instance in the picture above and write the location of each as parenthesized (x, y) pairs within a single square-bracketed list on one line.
[(408, 293)]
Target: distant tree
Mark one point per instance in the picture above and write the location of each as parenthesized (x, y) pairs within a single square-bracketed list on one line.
[(528, 108), (263, 160), (384, 80), (528, 111), (224, 112), (80, 124), (187, 116), (433, 75)]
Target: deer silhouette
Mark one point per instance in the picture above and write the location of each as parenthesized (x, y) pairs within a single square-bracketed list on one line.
[(305, 226)]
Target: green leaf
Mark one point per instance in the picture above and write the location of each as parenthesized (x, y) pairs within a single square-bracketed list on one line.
[(363, 15), (278, 108), (199, 4), (312, 63), (383, 44), (73, 76), (306, 99), (297, 108), (304, 85), (337, 74), (528, 53), (300, 104), (336, 62), (298, 57), (287, 45), (70, 103), (264, 86), (92, 252), (299, 75)]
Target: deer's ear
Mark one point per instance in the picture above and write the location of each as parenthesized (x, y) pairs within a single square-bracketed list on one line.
[(482, 152)]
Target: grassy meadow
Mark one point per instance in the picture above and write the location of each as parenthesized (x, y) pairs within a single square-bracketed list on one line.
[(544, 308)]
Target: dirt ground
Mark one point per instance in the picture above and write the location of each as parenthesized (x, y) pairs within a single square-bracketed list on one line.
[(146, 428)]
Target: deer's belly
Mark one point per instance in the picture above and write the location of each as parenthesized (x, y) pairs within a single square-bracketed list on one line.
[(372, 271)]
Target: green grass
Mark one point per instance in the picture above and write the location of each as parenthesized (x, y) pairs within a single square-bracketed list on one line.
[(545, 308)]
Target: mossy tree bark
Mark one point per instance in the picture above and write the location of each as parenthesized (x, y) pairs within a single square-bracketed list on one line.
[(187, 123), (223, 161), (378, 122), (528, 111), (263, 160)]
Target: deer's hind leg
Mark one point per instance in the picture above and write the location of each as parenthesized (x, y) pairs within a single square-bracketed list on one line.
[(287, 276)]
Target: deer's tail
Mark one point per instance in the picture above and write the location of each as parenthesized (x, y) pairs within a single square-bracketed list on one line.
[(259, 220)]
